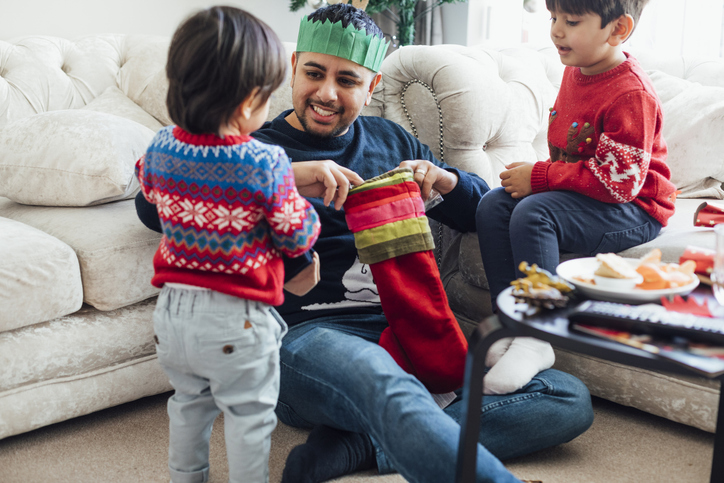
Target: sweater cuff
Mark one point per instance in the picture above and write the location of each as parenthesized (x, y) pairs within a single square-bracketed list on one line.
[(539, 177), (293, 266), (459, 205)]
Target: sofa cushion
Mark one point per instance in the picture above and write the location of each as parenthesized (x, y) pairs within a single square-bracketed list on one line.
[(114, 248), (70, 157), (691, 400), (114, 101), (153, 98), (77, 364), (39, 276), (83, 342), (693, 117), (677, 235)]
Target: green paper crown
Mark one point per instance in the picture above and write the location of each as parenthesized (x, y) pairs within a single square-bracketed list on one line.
[(348, 43)]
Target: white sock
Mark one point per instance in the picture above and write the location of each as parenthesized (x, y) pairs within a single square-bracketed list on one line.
[(524, 358), (497, 350)]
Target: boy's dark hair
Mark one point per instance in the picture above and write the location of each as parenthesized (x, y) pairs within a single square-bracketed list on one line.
[(608, 10), (348, 15), (217, 57)]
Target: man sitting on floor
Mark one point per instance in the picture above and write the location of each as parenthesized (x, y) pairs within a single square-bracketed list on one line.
[(364, 410)]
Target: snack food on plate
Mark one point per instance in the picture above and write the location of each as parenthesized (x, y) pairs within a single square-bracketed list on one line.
[(658, 276), (613, 266), (650, 273), (539, 288)]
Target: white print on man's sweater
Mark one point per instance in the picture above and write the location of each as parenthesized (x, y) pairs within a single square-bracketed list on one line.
[(361, 289)]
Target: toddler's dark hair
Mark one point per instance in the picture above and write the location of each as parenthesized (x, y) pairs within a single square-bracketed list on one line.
[(217, 57), (608, 10)]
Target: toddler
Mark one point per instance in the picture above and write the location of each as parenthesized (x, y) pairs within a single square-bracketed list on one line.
[(229, 210)]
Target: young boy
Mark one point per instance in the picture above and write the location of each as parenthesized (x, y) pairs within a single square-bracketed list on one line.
[(606, 185), (229, 209)]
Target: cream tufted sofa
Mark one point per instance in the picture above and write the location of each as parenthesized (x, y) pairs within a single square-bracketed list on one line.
[(75, 263)]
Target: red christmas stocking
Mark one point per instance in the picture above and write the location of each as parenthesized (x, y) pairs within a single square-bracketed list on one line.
[(392, 235)]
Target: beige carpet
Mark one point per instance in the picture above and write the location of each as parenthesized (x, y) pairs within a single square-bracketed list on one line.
[(128, 443)]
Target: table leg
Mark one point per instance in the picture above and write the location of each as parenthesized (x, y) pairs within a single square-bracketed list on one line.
[(717, 462), (488, 331)]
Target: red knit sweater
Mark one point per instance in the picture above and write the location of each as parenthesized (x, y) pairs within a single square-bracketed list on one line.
[(605, 141)]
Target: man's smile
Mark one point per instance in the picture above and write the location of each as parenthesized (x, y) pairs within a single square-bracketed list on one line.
[(322, 112)]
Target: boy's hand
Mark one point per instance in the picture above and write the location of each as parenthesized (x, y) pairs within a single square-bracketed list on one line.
[(516, 179), (429, 176), (305, 280), (325, 178)]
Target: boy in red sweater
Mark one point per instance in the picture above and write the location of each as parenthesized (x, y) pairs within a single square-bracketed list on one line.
[(606, 185), (229, 209)]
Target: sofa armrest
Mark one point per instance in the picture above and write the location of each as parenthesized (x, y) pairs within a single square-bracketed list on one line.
[(477, 109)]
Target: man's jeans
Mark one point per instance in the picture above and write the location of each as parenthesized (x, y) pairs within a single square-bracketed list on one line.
[(537, 228), (221, 353), (334, 373)]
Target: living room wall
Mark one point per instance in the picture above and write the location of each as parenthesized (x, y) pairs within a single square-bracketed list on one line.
[(76, 18)]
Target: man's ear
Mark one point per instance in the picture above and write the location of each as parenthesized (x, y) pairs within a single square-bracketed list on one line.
[(294, 68), (622, 29), (375, 80)]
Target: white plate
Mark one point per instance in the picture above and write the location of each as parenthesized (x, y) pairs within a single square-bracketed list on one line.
[(584, 267)]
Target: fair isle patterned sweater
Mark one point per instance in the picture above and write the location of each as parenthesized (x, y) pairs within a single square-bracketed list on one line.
[(228, 209), (605, 141)]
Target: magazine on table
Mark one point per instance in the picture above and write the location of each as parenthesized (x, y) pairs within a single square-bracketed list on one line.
[(706, 359)]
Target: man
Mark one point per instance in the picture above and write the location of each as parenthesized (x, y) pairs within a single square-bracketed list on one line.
[(364, 410)]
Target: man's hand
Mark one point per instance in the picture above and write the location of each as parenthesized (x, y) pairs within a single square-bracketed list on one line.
[(315, 179), (516, 179), (305, 280), (429, 176)]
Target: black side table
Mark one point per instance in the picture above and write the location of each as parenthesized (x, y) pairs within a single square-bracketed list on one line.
[(550, 326)]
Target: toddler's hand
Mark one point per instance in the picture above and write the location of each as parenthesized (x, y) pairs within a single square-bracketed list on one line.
[(516, 179), (305, 280)]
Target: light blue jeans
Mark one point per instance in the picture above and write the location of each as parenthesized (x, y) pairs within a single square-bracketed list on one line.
[(221, 353), (334, 373)]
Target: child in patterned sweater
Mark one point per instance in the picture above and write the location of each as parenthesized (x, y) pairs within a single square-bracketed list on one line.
[(229, 210), (605, 187)]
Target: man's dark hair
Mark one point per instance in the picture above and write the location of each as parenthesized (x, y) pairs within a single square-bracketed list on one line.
[(217, 57), (348, 15), (608, 10)]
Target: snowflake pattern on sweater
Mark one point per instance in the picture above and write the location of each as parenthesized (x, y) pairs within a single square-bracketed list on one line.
[(228, 207)]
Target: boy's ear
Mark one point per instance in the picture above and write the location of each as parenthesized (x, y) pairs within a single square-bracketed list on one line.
[(622, 28), (248, 105)]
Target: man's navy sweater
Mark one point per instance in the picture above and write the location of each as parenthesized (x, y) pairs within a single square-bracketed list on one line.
[(372, 146)]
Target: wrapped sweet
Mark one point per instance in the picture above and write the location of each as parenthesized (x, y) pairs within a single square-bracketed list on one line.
[(539, 288)]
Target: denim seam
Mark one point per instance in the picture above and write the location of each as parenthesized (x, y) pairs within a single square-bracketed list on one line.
[(520, 398)]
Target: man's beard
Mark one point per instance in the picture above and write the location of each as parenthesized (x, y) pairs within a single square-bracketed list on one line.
[(306, 124)]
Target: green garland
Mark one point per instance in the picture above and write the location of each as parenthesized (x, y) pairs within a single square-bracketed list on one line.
[(375, 6)]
